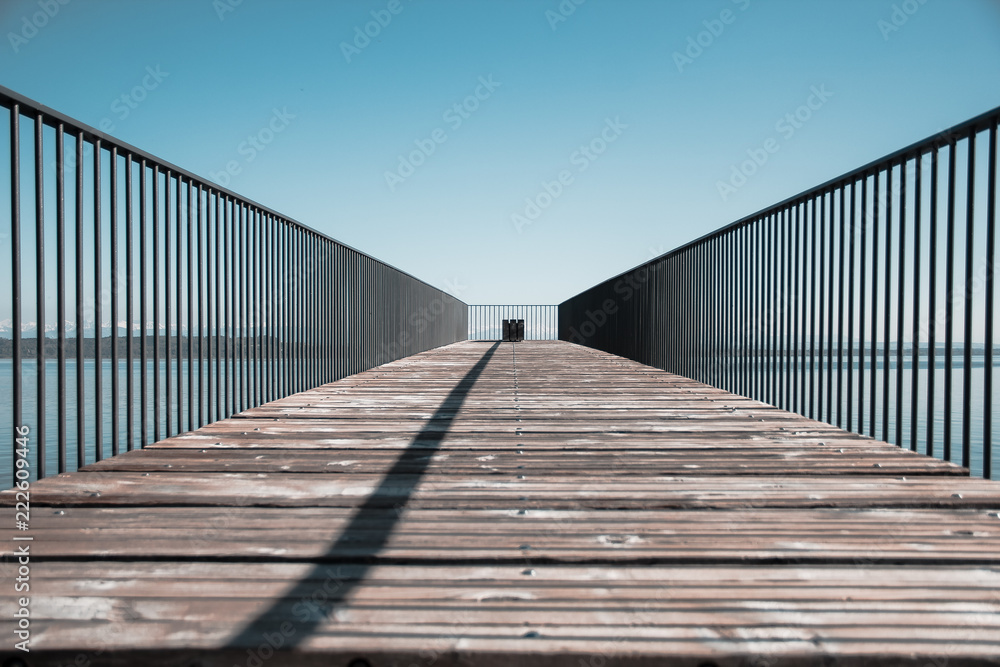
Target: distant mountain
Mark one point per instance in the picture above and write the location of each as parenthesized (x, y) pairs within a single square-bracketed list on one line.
[(30, 329)]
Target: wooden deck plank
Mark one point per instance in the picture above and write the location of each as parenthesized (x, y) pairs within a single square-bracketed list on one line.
[(292, 489), (248, 533), (571, 507)]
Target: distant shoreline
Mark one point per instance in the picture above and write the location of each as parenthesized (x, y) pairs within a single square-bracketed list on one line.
[(29, 346)]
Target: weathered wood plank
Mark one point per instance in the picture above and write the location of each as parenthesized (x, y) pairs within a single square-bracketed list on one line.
[(293, 489), (247, 533)]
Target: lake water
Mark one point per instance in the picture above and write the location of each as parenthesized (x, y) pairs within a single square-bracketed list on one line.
[(52, 417), (30, 415)]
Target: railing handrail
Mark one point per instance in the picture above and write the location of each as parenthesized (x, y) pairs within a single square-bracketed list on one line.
[(916, 149), (52, 118)]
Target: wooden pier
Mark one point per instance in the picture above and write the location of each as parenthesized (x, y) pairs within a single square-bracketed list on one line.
[(499, 504)]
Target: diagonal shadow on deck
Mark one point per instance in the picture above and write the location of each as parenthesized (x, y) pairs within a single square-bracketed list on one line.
[(413, 462)]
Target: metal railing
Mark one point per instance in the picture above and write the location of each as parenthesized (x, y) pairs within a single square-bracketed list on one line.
[(486, 321), (171, 302), (867, 302)]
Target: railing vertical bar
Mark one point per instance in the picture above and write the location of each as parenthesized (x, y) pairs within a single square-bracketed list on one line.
[(735, 306), (295, 289), (710, 296), (243, 336), (830, 311), (219, 295), (932, 314), (271, 290), (788, 270), (771, 374), (967, 290), (767, 373), (228, 287), (143, 308), (751, 255), (824, 342), (200, 235), (297, 310), (277, 283), (735, 324), (313, 312), (722, 332), (276, 304), (716, 332), (700, 272), (38, 436), (115, 279), (251, 308), (253, 238), (81, 404), (786, 294), (840, 308), (708, 270), (262, 264), (271, 295), (862, 263), (260, 316), (815, 373), (849, 408), (167, 282), (915, 331), (235, 245), (253, 301), (682, 297), (751, 306), (284, 232), (129, 308), (189, 260), (688, 276), (211, 307), (289, 308), (737, 319), (798, 309), (15, 268), (327, 304), (901, 308), (179, 294), (949, 276), (98, 333), (61, 293), (299, 320), (739, 322), (310, 312), (876, 192), (250, 295), (240, 303), (887, 308), (336, 323), (991, 208)]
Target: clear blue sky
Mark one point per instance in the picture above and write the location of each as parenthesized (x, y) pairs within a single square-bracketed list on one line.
[(672, 128)]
